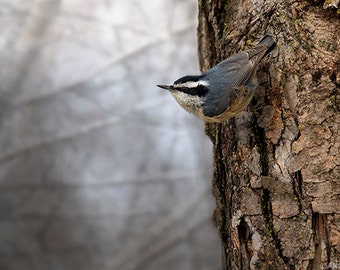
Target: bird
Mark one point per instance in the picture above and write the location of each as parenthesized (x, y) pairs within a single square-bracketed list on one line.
[(225, 90)]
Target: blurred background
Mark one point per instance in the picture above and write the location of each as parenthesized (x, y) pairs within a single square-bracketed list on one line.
[(99, 168)]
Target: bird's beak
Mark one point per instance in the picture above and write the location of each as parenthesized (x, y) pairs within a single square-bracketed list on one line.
[(167, 87)]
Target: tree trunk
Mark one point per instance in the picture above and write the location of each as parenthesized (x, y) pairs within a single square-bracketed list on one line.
[(276, 170)]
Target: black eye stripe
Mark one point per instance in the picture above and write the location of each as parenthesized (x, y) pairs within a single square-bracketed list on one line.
[(200, 90)]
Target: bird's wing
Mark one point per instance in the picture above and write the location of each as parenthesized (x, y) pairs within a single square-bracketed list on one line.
[(246, 62), (234, 72)]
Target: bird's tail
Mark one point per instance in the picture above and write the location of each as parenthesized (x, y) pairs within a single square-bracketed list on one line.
[(268, 42)]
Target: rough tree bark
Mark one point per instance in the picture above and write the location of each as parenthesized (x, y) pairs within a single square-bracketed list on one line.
[(276, 170)]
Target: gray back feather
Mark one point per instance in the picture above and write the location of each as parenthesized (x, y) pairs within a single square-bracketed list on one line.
[(224, 78)]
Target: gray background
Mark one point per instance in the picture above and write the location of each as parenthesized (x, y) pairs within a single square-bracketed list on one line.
[(99, 169)]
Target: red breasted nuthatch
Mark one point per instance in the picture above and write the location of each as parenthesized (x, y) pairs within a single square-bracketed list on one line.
[(226, 89)]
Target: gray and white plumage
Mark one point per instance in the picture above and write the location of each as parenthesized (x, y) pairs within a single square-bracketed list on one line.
[(226, 89)]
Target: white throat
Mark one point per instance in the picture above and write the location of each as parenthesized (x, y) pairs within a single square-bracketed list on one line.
[(188, 102)]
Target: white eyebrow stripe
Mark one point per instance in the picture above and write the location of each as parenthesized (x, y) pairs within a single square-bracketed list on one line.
[(192, 84)]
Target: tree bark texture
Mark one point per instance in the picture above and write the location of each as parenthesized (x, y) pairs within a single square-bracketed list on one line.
[(276, 166)]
